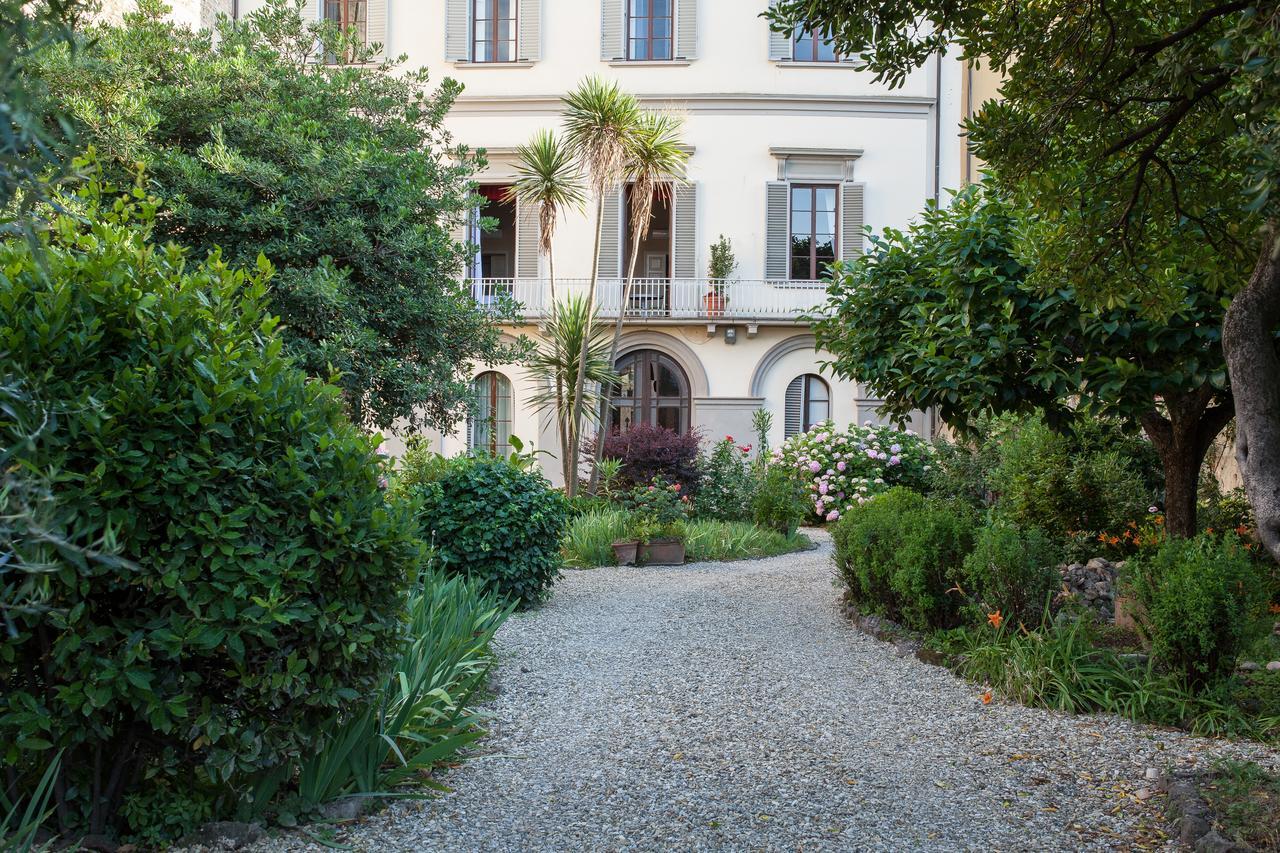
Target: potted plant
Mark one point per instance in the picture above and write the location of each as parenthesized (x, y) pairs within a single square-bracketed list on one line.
[(627, 549), (660, 508), (719, 270)]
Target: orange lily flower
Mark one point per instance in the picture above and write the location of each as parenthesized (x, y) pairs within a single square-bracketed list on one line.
[(995, 619)]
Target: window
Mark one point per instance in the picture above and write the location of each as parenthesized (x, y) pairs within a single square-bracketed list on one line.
[(813, 230), (653, 390), (349, 14), (490, 429), (493, 30), (808, 404), (808, 47), (649, 28)]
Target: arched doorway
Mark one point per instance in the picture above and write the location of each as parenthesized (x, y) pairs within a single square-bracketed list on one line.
[(653, 390)]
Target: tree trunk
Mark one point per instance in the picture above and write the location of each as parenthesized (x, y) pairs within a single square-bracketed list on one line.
[(613, 356), (1182, 439), (1248, 338), (580, 381), (559, 411)]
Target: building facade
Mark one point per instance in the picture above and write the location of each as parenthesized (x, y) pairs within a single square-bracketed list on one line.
[(791, 153)]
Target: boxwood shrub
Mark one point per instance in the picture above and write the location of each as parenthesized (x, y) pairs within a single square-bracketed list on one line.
[(490, 519), (899, 554), (259, 571)]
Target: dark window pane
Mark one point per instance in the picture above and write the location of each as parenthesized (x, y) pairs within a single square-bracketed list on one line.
[(669, 418), (800, 268), (639, 8), (668, 384), (801, 200), (826, 51), (662, 28), (662, 8), (661, 49), (639, 28)]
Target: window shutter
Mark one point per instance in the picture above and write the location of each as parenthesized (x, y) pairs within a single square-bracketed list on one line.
[(526, 240), (686, 29), (611, 35), (779, 44), (375, 30), (776, 238), (684, 228), (851, 235), (792, 414), (530, 12), (457, 31), (611, 236)]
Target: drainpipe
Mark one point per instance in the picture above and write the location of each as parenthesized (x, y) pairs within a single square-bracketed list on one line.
[(937, 129)]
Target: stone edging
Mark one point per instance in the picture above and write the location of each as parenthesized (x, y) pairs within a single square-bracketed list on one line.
[(1191, 816)]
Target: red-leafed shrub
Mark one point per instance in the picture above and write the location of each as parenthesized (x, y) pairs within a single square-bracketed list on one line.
[(649, 451)]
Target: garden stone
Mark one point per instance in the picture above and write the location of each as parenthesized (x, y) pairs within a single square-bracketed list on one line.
[(1214, 842), (346, 808), (1274, 665), (224, 835), (1248, 666)]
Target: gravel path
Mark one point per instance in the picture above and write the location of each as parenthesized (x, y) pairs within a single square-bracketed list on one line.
[(730, 706)]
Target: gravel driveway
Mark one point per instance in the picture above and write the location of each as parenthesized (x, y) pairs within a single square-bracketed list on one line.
[(730, 706)]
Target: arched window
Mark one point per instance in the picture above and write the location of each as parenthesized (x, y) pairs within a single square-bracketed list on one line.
[(490, 428), (808, 403), (653, 390)]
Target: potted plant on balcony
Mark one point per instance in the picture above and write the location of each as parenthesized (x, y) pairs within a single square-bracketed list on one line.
[(719, 270), (660, 508)]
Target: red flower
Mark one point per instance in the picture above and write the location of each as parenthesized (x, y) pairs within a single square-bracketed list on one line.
[(729, 439), (675, 487), (745, 448)]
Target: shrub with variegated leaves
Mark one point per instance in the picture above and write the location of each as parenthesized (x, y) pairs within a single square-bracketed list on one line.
[(843, 468)]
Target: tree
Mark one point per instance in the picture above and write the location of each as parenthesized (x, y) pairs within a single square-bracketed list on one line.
[(655, 160), (549, 179), (340, 173), (947, 315), (1143, 134), (598, 119), (554, 367)]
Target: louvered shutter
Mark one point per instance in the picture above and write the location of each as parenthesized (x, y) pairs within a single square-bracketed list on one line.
[(375, 30), (793, 409), (779, 44), (611, 236), (530, 12), (684, 227), (776, 238), (686, 29), (315, 9), (457, 31), (612, 21), (851, 235), (526, 240)]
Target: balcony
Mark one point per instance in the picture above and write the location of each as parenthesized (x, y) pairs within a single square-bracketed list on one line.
[(665, 300)]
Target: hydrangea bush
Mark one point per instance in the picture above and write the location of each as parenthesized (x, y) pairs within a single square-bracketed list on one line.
[(843, 468)]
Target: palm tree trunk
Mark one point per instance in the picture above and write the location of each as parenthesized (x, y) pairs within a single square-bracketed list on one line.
[(613, 355), (580, 381), (560, 408)]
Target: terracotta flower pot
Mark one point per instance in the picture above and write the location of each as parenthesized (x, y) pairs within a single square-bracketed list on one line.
[(625, 552), (662, 552), (714, 304)]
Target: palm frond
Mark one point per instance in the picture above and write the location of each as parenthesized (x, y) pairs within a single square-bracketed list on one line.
[(554, 364), (547, 177), (655, 160), (598, 118)]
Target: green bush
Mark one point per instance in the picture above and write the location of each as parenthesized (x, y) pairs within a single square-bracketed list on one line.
[(1012, 571), (260, 576), (900, 553), (1044, 480), (725, 490), (779, 502), (1200, 602), (489, 519)]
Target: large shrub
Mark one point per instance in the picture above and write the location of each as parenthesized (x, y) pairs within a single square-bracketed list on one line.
[(725, 489), (778, 502), (262, 574), (645, 452), (1045, 480), (844, 468), (342, 173), (1011, 571), (490, 519), (1200, 601), (900, 553)]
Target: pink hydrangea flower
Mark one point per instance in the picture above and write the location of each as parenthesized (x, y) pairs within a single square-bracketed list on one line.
[(840, 465), (814, 467), (833, 515), (894, 460)]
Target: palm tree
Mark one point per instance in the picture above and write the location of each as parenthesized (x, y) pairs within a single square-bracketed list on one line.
[(599, 118), (655, 160), (549, 179), (554, 368)]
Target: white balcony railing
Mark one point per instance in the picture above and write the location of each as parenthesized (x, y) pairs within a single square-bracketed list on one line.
[(659, 299)]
